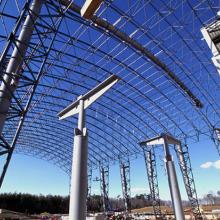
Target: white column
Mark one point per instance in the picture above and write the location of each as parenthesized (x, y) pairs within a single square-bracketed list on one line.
[(78, 192)]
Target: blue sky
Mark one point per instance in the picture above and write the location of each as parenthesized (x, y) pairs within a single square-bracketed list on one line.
[(27, 174)]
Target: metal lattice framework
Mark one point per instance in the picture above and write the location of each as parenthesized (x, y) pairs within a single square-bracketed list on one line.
[(104, 183), (169, 83), (89, 193), (125, 182), (186, 169), (150, 161)]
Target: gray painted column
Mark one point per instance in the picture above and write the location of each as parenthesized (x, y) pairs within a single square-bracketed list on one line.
[(78, 191), (11, 77), (173, 184)]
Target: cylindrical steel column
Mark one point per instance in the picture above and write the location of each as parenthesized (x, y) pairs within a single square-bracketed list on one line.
[(11, 77), (78, 192), (173, 184)]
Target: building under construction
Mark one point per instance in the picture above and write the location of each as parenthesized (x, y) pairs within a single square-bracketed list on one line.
[(127, 77)]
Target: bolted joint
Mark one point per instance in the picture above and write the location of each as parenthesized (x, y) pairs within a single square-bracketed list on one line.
[(14, 82)]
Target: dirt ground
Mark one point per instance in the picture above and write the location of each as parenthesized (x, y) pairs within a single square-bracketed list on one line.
[(167, 209)]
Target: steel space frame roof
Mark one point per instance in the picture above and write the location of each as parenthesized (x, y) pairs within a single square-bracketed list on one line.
[(144, 43)]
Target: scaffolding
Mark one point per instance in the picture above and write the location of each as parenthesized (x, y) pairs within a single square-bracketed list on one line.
[(186, 169), (125, 182), (150, 163), (104, 184)]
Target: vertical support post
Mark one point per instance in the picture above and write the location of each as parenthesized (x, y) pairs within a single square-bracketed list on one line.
[(186, 169), (89, 188), (11, 77), (104, 181), (78, 193), (173, 183), (150, 161), (125, 181)]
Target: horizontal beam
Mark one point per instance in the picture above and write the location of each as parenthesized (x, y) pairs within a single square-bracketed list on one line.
[(159, 140), (153, 141), (89, 97), (171, 140)]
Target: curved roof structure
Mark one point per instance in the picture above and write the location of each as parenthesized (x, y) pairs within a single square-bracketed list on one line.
[(168, 81)]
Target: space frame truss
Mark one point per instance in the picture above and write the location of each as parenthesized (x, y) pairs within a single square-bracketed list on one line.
[(125, 182), (150, 163), (45, 68)]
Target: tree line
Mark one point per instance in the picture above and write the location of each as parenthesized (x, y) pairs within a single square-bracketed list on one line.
[(36, 204)]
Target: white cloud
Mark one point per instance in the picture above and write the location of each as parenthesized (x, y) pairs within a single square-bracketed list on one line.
[(207, 165), (217, 164)]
